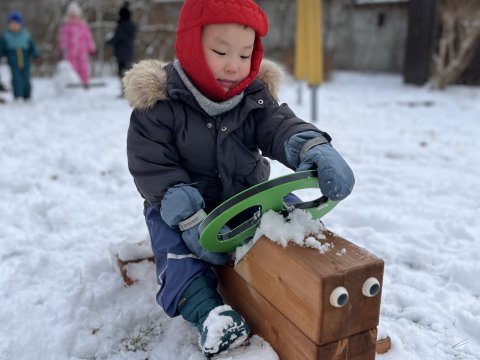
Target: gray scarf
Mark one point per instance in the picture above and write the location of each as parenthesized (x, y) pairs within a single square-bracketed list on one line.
[(212, 108)]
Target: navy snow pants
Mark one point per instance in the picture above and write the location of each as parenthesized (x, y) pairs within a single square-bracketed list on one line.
[(176, 266)]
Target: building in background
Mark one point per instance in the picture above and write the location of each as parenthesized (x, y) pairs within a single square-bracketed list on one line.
[(361, 35)]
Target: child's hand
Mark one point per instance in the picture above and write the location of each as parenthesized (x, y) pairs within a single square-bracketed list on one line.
[(191, 237), (179, 203), (335, 178)]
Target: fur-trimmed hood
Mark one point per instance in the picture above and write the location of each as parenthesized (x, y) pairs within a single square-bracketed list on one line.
[(146, 82)]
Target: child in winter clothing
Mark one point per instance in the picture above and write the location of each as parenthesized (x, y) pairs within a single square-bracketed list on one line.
[(198, 134), (76, 42), (123, 40), (17, 45)]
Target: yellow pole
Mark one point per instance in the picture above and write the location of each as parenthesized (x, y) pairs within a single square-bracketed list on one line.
[(315, 43), (308, 42), (300, 62), (309, 47)]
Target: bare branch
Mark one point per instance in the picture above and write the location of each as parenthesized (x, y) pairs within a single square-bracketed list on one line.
[(460, 35)]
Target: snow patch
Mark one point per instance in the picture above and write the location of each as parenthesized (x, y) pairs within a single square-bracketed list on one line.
[(298, 227), (67, 195), (131, 251), (255, 348)]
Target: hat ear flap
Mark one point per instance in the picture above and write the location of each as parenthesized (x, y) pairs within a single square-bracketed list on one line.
[(256, 61), (191, 56)]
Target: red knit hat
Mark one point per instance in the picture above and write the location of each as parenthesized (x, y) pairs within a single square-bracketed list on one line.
[(197, 13)]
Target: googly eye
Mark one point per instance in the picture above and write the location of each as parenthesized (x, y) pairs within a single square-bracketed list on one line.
[(371, 287), (339, 297)]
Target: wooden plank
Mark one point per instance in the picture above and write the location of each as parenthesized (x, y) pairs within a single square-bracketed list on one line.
[(285, 338), (298, 281), (79, 85), (383, 345), (123, 266)]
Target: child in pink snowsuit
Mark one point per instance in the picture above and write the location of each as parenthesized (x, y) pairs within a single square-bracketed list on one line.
[(76, 42)]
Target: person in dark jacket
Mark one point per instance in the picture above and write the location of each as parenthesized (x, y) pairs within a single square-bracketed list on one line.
[(200, 132), (123, 40), (18, 46), (2, 87)]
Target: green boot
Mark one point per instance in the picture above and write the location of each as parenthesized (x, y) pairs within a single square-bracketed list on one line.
[(223, 329), (198, 299), (220, 327)]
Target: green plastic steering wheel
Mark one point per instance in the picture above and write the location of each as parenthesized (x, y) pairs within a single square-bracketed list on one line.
[(262, 197)]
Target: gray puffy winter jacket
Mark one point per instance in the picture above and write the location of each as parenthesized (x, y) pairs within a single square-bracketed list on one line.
[(172, 140)]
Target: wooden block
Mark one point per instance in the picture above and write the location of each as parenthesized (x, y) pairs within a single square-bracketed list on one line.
[(123, 266), (383, 345), (286, 339), (298, 282)]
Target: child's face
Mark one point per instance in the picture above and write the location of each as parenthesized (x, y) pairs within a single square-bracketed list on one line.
[(228, 51), (14, 26)]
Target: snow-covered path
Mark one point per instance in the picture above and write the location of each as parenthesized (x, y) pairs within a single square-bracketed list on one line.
[(67, 198)]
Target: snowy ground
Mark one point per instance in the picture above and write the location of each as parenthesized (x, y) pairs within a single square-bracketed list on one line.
[(67, 198)]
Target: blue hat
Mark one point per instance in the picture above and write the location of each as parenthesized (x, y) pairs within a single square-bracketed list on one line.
[(15, 16)]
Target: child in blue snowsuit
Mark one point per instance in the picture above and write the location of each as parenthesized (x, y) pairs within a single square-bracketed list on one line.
[(199, 133), (17, 45)]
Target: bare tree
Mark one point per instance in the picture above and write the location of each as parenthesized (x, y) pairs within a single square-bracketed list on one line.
[(156, 24), (460, 36), (156, 20)]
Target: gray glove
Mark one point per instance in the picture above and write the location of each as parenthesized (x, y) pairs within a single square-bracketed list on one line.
[(311, 149), (180, 203), (335, 178)]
